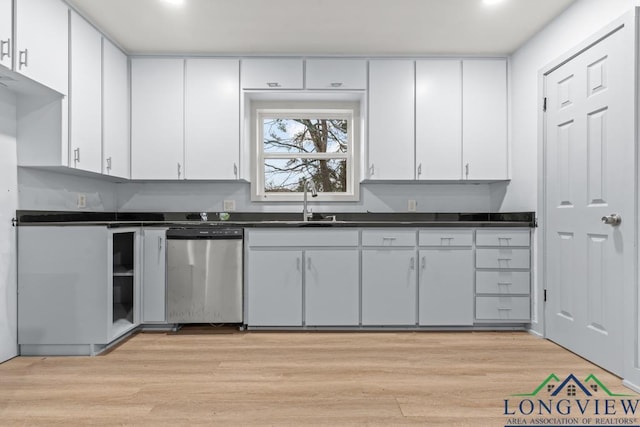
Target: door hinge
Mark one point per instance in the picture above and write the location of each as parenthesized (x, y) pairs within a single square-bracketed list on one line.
[(544, 105), (545, 295)]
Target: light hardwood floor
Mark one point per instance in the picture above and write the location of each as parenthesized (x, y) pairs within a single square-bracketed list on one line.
[(211, 377)]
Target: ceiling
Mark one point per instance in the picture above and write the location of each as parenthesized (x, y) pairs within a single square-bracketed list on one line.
[(320, 27)]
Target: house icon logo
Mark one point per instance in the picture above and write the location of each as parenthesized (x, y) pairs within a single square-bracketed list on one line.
[(572, 400), (572, 387)]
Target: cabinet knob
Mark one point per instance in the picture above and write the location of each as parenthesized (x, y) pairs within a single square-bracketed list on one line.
[(613, 219)]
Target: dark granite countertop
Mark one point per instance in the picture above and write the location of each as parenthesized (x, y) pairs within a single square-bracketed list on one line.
[(279, 219)]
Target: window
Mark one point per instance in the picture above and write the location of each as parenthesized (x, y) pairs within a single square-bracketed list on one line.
[(294, 145)]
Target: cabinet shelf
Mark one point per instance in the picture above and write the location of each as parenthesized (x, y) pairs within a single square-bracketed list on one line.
[(123, 272)]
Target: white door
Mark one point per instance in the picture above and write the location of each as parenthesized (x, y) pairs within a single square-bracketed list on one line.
[(157, 118), (115, 119), (6, 38), (275, 293), (212, 118), (389, 287), (590, 174), (85, 124), (331, 287), (391, 119)]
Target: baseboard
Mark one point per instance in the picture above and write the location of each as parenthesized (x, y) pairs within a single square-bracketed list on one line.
[(630, 385)]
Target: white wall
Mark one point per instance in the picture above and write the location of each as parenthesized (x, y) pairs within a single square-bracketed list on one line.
[(577, 23), (8, 206)]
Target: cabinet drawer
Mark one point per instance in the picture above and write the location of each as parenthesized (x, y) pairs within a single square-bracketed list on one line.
[(336, 74), (502, 308), (297, 238), (502, 282), (502, 258), (388, 238), (454, 237), (271, 73), (502, 237)]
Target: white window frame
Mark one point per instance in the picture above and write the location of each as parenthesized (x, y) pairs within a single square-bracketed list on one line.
[(349, 113)]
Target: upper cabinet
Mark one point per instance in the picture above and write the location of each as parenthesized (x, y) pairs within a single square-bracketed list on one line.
[(85, 106), (42, 42), (157, 118), (185, 118), (6, 33), (272, 73), (484, 108), (391, 119), (212, 119), (115, 111), (439, 119), (336, 74)]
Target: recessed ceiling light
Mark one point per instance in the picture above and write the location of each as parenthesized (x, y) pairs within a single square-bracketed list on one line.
[(174, 2), (492, 2)]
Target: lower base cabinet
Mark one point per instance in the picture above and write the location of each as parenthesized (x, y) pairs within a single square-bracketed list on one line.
[(154, 276), (388, 287)]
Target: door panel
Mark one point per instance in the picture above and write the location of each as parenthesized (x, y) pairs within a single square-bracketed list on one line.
[(589, 158)]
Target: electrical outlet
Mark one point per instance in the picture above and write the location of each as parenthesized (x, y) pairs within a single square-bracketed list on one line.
[(81, 200), (229, 205), (412, 206)]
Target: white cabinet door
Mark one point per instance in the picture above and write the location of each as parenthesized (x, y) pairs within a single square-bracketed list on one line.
[(42, 42), (446, 287), (439, 119), (275, 288), (6, 33), (484, 112), (85, 116), (274, 73), (212, 118), (154, 276), (157, 118), (388, 287), (391, 119), (331, 288), (336, 74), (115, 104)]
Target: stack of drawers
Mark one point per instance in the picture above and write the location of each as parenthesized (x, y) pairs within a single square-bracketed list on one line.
[(503, 276)]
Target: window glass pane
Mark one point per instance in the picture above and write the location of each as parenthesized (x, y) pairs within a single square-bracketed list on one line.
[(304, 135), (288, 175)]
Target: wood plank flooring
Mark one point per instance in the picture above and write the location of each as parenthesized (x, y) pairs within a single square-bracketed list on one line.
[(212, 377)]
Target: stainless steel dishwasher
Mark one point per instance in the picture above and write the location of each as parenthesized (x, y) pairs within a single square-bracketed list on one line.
[(204, 275)]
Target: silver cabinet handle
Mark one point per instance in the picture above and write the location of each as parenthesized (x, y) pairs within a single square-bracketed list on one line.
[(336, 84), (412, 263), (159, 243), (235, 170), (108, 163), (76, 155), (273, 84), (23, 59), (179, 169), (372, 170), (504, 309), (505, 283), (298, 263), (613, 219), (419, 169), (466, 170), (5, 52), (423, 263)]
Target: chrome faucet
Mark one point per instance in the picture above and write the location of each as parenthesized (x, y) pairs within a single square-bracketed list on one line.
[(310, 186)]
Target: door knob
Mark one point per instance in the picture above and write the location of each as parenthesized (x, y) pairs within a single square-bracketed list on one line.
[(613, 219)]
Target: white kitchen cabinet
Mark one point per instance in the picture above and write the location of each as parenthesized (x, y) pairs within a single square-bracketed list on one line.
[(274, 288), (85, 115), (391, 119), (154, 276), (344, 74), (212, 119), (42, 42), (331, 287), (484, 109), (157, 118), (272, 73), (80, 299), (6, 33), (439, 119), (446, 287), (115, 104), (389, 287)]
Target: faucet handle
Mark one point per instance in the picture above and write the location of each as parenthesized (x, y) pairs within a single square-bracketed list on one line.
[(203, 216)]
